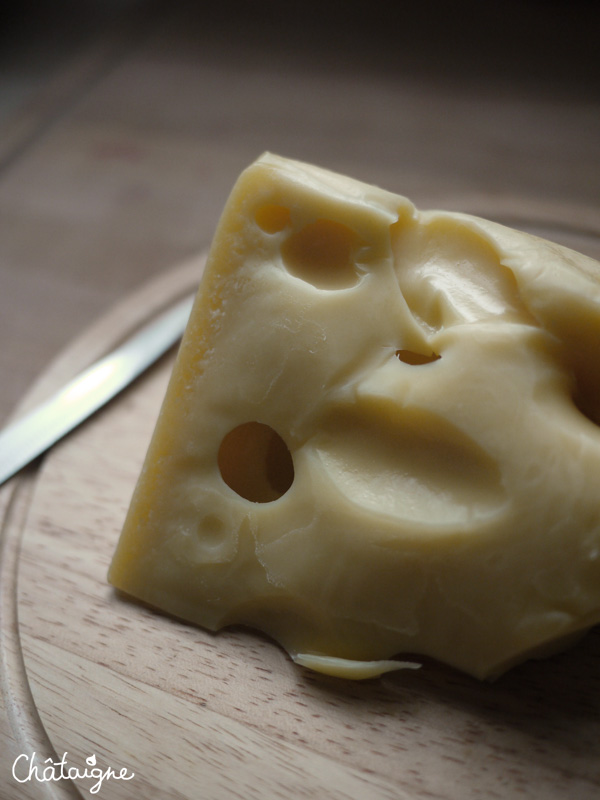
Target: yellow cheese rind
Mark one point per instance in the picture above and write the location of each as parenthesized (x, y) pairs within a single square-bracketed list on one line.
[(381, 435)]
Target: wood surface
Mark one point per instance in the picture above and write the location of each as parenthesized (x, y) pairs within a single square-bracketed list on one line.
[(123, 126)]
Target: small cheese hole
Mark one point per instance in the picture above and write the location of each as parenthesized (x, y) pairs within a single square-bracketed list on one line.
[(416, 359), (213, 529), (272, 218), (256, 463), (321, 254)]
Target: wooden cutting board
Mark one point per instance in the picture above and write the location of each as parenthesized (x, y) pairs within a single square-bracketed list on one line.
[(191, 714)]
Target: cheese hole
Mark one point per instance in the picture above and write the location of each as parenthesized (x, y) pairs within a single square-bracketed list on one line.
[(272, 218), (256, 463), (416, 359), (213, 529), (321, 254)]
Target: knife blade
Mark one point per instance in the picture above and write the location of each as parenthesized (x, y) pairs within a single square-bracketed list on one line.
[(32, 434)]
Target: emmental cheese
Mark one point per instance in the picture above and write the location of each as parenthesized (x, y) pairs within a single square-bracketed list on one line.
[(381, 435)]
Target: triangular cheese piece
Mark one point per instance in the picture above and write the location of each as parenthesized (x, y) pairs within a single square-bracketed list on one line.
[(352, 453)]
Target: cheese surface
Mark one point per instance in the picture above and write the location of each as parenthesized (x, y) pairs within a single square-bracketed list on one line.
[(381, 435)]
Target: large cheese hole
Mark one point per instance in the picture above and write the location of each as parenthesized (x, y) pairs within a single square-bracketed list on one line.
[(321, 254), (272, 218), (255, 462), (414, 358)]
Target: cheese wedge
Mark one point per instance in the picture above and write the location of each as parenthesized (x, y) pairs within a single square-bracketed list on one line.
[(381, 435)]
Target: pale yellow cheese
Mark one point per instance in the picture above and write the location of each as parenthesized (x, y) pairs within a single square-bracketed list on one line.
[(381, 436)]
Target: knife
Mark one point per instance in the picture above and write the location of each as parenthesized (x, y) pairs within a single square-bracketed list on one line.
[(31, 435)]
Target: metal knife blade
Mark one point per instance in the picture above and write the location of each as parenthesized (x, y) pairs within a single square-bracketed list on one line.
[(31, 435)]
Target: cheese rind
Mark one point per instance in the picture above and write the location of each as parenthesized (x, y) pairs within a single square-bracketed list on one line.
[(380, 436)]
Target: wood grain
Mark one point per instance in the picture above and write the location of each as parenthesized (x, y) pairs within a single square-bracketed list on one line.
[(193, 714)]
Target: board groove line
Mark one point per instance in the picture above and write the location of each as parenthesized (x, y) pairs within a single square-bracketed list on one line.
[(25, 723)]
